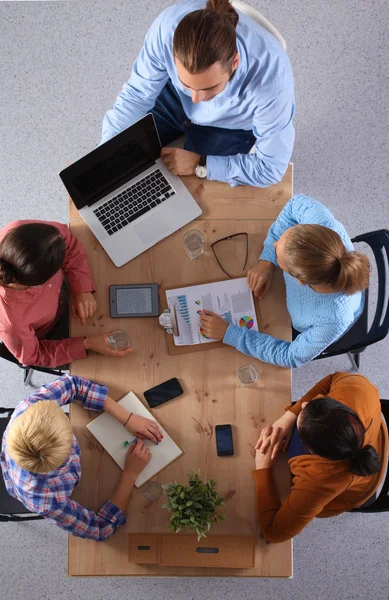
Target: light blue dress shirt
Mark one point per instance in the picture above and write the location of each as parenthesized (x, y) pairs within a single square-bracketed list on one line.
[(259, 98), (322, 318)]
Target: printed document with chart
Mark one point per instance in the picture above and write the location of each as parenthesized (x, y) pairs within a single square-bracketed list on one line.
[(232, 300)]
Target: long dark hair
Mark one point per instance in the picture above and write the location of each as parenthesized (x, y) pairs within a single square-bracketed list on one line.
[(205, 37), (331, 429), (31, 254)]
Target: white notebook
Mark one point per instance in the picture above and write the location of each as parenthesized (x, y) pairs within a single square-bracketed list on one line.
[(111, 434)]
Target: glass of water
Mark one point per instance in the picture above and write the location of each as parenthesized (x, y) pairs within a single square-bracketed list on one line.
[(247, 374), (194, 243), (118, 339), (151, 490)]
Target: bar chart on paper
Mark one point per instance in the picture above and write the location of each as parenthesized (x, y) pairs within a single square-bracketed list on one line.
[(232, 300), (183, 308)]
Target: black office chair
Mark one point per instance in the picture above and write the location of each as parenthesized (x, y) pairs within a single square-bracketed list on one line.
[(356, 339), (379, 503), (10, 508)]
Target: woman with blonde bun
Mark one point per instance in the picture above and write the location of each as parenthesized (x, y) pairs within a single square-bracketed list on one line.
[(325, 279)]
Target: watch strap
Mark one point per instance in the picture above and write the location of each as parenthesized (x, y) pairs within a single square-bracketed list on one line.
[(203, 160)]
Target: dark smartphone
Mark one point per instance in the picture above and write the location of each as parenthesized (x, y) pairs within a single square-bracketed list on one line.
[(163, 392), (224, 443)]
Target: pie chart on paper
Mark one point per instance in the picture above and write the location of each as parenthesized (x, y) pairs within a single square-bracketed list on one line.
[(246, 322)]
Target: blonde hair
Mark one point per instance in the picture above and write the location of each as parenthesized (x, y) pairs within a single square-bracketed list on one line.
[(316, 255), (40, 439)]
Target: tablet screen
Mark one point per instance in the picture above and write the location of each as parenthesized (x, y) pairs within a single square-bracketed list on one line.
[(133, 300)]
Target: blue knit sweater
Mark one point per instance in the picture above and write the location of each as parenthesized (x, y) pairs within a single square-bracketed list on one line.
[(321, 318)]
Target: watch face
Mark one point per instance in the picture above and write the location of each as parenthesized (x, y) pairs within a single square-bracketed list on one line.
[(201, 172)]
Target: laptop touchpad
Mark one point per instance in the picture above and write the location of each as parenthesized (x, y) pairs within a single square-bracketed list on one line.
[(152, 229)]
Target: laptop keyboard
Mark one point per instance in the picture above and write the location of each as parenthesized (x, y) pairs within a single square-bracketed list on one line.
[(134, 202)]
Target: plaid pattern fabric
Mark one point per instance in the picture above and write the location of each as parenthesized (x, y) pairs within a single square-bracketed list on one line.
[(49, 494)]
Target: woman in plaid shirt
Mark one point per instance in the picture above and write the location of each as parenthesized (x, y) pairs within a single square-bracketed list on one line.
[(40, 457)]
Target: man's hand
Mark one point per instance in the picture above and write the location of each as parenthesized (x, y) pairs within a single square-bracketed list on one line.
[(99, 344), (260, 278), (137, 457), (145, 429), (180, 162), (278, 435), (83, 306), (212, 325)]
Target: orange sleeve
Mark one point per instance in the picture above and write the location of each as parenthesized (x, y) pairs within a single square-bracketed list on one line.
[(322, 387), (280, 522)]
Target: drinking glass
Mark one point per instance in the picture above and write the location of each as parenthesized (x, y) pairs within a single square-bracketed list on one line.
[(151, 490), (247, 374), (193, 243), (118, 339)]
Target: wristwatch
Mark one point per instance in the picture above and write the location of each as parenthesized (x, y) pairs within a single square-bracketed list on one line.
[(201, 169)]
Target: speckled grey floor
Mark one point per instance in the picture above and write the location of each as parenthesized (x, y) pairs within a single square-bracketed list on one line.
[(62, 65)]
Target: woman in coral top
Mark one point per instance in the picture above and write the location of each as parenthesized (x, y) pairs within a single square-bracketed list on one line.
[(34, 258), (337, 444)]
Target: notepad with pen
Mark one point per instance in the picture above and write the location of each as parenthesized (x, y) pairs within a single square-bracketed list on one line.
[(116, 440)]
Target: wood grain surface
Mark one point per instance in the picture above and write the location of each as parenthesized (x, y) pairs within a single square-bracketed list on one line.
[(212, 392)]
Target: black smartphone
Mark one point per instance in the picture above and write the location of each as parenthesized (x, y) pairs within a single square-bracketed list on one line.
[(163, 392), (224, 444)]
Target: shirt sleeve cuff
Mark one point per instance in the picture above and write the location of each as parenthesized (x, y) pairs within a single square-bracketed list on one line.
[(217, 168), (267, 495), (96, 396), (231, 335), (78, 286), (112, 513)]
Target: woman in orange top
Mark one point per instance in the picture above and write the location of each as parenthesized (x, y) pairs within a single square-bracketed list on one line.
[(337, 442)]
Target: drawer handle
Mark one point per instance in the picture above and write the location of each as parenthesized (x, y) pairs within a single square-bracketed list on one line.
[(143, 547), (207, 550)]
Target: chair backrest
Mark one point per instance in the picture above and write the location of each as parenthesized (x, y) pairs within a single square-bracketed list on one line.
[(256, 16), (10, 508), (381, 503), (379, 243)]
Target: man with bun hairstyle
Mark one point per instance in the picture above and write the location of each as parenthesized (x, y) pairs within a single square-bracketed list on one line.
[(213, 74)]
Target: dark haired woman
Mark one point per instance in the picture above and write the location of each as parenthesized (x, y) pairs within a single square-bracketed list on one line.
[(213, 73), (337, 445), (34, 256)]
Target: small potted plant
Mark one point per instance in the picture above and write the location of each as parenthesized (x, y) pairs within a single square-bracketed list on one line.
[(193, 506)]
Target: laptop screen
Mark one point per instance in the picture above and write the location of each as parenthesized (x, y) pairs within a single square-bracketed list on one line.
[(112, 164)]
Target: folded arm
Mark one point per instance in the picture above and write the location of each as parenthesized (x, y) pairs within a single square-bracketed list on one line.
[(274, 132), (280, 522), (82, 522), (71, 388)]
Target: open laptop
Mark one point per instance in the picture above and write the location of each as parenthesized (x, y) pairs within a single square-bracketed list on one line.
[(126, 195)]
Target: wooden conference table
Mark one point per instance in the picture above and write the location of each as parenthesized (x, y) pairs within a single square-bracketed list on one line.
[(212, 393)]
